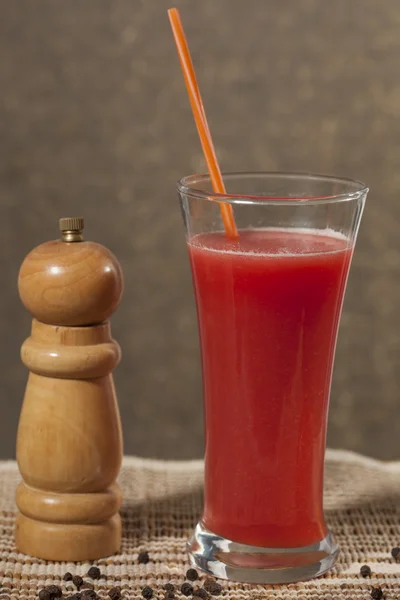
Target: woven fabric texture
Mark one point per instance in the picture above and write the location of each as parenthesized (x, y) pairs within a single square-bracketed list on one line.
[(162, 502)]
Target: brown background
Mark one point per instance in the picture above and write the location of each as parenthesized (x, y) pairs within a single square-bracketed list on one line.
[(94, 119)]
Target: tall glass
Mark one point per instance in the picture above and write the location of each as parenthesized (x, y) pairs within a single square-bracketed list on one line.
[(268, 307)]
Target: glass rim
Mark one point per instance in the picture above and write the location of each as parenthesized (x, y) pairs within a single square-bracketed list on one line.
[(357, 189)]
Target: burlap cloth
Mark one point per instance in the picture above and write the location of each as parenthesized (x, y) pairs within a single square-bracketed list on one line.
[(162, 504)]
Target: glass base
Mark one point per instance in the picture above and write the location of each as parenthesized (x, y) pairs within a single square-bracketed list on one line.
[(252, 564)]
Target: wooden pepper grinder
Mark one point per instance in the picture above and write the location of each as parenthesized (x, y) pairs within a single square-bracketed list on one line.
[(69, 446)]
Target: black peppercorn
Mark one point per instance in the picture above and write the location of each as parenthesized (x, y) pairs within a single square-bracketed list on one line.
[(200, 593), (54, 591), (169, 587), (365, 571), (208, 582), (76, 596), (67, 576), (94, 573), (376, 593), (186, 589), (77, 581), (44, 595), (169, 595), (115, 593), (147, 592), (212, 587), (395, 552), (89, 595), (192, 574), (143, 558)]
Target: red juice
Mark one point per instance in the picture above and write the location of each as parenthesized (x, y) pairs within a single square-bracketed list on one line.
[(268, 308)]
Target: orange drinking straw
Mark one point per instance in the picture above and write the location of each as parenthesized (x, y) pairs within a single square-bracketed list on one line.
[(201, 120)]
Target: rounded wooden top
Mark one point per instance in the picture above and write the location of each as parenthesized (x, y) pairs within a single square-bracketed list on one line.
[(70, 284)]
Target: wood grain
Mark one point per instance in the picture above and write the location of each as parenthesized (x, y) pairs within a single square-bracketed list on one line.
[(69, 443), (70, 283)]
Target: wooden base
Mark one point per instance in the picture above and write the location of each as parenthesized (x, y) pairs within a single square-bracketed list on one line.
[(54, 542), (68, 527)]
